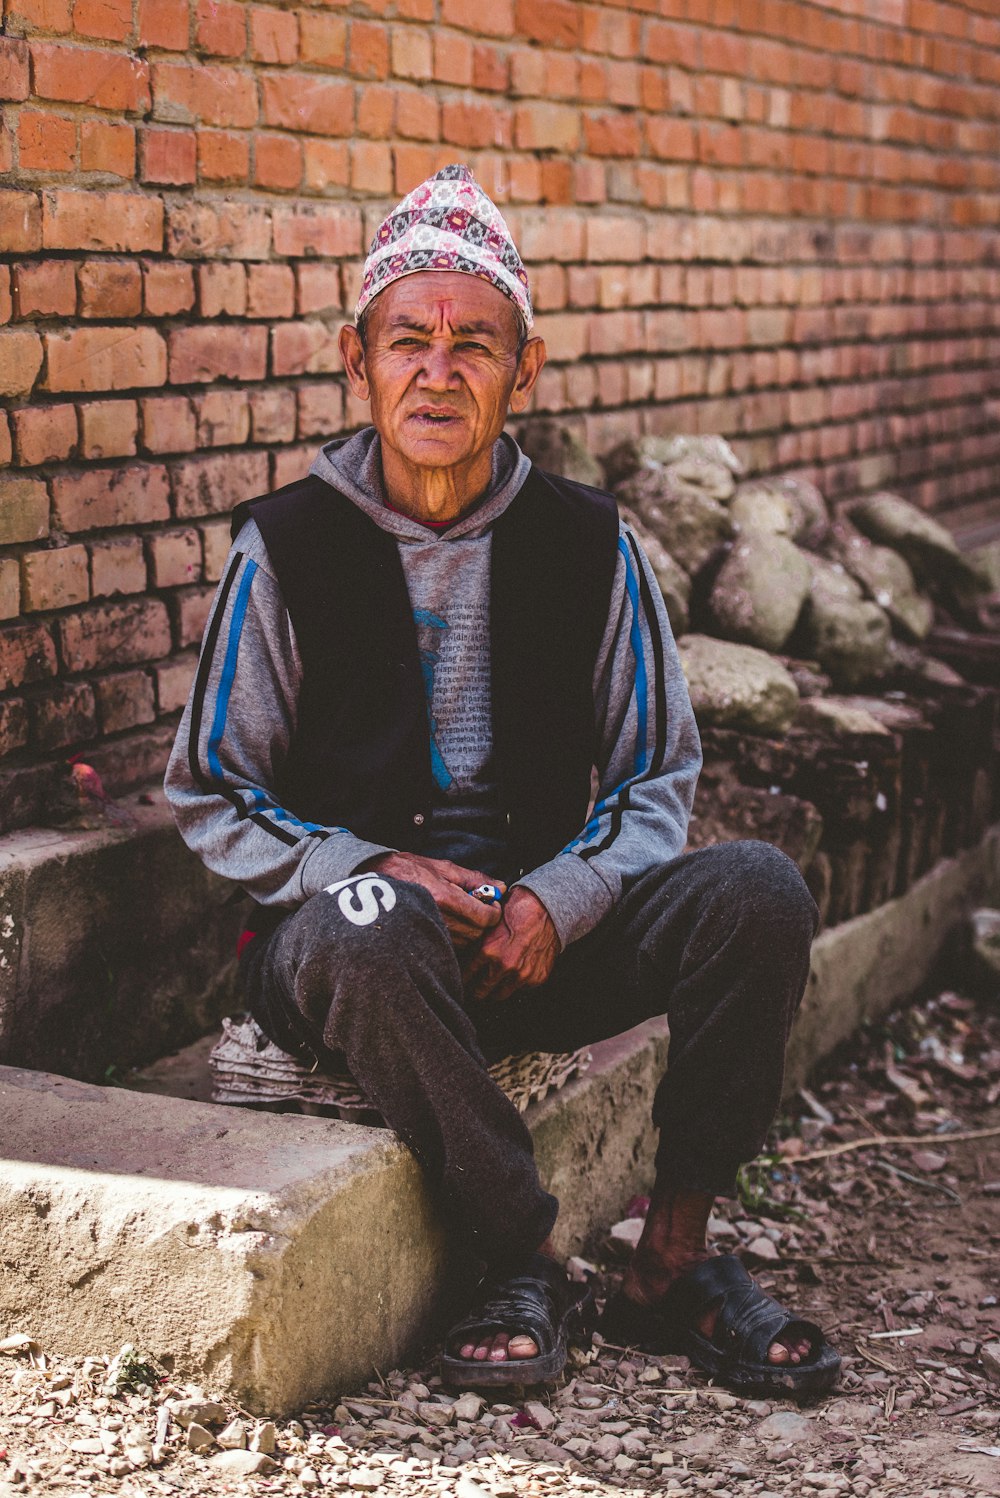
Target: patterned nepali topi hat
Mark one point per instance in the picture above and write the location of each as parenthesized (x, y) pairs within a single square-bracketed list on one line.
[(447, 223)]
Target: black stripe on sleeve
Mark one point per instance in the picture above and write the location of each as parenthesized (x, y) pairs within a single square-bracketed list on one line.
[(660, 712)]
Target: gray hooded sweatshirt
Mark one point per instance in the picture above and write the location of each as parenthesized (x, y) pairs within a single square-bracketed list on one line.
[(229, 814)]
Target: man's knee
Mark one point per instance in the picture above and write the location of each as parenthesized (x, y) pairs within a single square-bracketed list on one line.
[(368, 923), (765, 886)]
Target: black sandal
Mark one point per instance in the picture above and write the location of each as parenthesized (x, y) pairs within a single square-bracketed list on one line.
[(540, 1303), (748, 1322)]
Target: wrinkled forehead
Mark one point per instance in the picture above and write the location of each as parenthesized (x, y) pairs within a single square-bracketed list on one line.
[(454, 300)]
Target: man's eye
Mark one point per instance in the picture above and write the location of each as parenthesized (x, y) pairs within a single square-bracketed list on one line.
[(406, 343), (479, 348)]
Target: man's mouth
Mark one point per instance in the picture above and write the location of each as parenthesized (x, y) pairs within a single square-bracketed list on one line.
[(432, 418)]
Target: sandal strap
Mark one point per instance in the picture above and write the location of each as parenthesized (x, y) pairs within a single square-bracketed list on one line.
[(748, 1321), (530, 1303)]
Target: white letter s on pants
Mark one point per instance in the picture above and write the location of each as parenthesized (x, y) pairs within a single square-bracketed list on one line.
[(362, 897)]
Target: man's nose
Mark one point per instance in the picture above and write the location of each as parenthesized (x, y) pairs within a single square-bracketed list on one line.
[(438, 366)]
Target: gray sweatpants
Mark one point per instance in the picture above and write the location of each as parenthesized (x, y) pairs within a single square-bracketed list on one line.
[(717, 940)]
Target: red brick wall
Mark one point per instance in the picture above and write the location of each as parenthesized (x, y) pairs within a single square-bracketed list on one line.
[(771, 218)]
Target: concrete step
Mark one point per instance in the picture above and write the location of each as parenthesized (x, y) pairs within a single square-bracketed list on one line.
[(278, 1257)]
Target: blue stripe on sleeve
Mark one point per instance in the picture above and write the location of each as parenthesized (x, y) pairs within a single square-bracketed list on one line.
[(229, 668)]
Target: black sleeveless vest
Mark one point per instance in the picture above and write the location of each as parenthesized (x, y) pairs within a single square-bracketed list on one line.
[(360, 757)]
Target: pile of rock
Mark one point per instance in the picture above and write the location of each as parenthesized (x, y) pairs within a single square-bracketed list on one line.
[(820, 651)]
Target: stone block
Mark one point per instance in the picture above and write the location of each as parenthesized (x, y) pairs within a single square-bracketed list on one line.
[(118, 945)]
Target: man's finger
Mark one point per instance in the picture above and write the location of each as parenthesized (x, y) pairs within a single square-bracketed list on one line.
[(463, 912)]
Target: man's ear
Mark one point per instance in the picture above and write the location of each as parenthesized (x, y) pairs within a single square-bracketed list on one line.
[(532, 360), (352, 351)]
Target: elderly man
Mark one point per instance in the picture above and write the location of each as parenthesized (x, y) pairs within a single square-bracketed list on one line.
[(417, 656)]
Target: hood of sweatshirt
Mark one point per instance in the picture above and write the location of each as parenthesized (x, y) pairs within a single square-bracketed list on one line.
[(353, 465)]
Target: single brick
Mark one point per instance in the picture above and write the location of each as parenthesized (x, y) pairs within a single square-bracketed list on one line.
[(117, 566), (494, 19), (277, 162), (41, 15), (108, 428), (317, 288), (164, 23), (191, 94), (304, 348), (85, 75), (109, 20), (556, 23), (270, 291), (324, 230), (169, 288), (110, 288), (615, 238), (326, 164), (105, 359), (20, 360), (44, 434), (292, 463), (412, 53), (173, 683), (221, 28), (14, 80), (10, 588), (237, 231), (368, 54), (490, 70), (107, 146), (20, 222), (125, 699), (222, 289), (226, 351), (272, 414), (99, 497), (63, 717), (215, 544), (174, 558), (541, 126), (223, 418), (54, 579), (305, 101), (114, 221), (418, 115), (13, 710), (115, 634), (223, 156), (321, 409), (6, 303), (190, 609), (27, 654), (371, 167), (6, 442), (44, 288), (323, 40), (274, 35), (168, 156), (45, 142), (215, 485), (24, 510), (452, 59), (168, 424)]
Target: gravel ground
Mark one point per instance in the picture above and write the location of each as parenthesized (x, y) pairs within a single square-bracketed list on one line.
[(891, 1248)]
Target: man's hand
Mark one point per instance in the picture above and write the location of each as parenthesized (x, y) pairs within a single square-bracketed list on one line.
[(519, 953), (448, 883)]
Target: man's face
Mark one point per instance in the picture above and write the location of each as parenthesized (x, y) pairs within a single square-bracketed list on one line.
[(442, 367)]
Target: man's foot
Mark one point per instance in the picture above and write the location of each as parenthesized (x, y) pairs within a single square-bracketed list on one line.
[(501, 1345), (648, 1292), (520, 1331), (729, 1329)]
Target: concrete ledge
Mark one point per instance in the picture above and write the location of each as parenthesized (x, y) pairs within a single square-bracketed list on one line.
[(274, 1256), (115, 945), (280, 1257)]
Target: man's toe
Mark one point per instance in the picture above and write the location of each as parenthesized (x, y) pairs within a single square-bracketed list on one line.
[(522, 1347), (498, 1349)]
